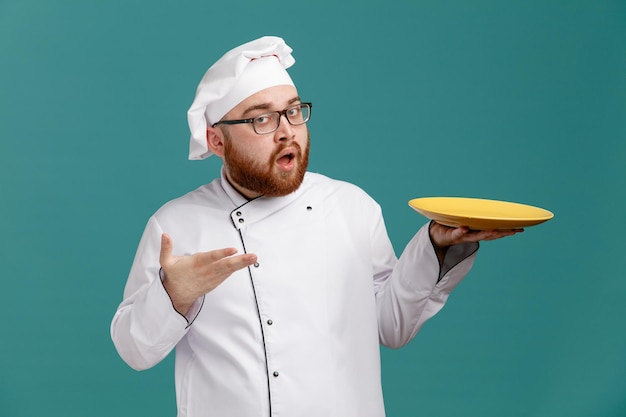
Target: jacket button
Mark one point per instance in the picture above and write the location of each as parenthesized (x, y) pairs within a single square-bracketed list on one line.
[(256, 264), (238, 213), (275, 374), (270, 322), (241, 220)]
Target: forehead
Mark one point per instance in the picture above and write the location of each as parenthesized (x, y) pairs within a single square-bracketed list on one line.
[(272, 98)]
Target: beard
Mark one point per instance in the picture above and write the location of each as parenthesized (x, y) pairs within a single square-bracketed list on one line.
[(263, 177)]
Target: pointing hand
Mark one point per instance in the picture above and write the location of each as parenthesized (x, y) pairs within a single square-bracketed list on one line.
[(190, 277)]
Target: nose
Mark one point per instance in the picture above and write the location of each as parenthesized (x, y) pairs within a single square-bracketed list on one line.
[(285, 130)]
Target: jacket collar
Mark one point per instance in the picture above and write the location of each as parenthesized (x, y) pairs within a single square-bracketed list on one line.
[(248, 212)]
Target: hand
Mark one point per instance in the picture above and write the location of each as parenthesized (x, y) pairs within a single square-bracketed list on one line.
[(190, 277), (444, 236)]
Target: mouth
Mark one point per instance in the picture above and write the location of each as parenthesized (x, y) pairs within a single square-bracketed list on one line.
[(286, 159)]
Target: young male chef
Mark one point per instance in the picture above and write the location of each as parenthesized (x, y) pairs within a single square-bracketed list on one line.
[(276, 285)]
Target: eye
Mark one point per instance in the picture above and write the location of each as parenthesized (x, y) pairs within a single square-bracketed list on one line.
[(294, 111), (263, 119)]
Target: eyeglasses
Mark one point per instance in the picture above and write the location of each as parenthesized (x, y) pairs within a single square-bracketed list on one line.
[(265, 123)]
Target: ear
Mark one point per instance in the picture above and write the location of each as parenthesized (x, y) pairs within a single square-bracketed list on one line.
[(215, 141)]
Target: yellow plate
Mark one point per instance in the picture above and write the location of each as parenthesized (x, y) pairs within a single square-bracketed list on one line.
[(479, 214)]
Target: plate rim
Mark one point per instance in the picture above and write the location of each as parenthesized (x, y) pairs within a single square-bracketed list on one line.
[(482, 222)]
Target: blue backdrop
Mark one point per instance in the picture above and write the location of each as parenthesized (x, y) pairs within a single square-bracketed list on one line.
[(517, 100)]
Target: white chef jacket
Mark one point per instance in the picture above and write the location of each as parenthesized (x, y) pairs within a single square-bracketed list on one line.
[(298, 333)]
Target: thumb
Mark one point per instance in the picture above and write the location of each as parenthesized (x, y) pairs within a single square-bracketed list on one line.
[(458, 233), (166, 249)]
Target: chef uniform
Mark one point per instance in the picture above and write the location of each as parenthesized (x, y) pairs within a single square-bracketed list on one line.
[(297, 333)]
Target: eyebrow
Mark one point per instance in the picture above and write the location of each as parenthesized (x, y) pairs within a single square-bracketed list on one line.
[(267, 106)]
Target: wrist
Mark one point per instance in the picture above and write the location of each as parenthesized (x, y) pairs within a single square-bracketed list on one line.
[(180, 302), (440, 250)]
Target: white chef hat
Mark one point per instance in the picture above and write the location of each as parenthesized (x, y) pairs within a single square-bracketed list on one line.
[(237, 75)]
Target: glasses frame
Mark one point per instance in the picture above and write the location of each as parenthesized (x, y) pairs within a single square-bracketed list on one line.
[(280, 113)]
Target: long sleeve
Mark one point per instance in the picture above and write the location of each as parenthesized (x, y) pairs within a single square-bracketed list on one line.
[(417, 287), (146, 327)]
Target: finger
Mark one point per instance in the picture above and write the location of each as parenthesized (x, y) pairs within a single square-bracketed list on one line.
[(215, 255), (459, 232), (166, 249), (496, 234), (235, 263), (485, 234), (227, 266), (445, 235)]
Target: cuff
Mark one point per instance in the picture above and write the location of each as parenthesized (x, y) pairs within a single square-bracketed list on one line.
[(195, 308), (454, 255)]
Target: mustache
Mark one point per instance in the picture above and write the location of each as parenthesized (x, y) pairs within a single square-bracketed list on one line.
[(297, 150)]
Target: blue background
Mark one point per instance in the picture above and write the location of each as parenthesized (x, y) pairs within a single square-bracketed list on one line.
[(515, 100)]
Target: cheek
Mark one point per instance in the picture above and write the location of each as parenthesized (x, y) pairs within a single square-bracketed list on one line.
[(255, 152), (258, 152), (303, 137)]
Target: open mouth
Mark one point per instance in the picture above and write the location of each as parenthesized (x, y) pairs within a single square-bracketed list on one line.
[(286, 160)]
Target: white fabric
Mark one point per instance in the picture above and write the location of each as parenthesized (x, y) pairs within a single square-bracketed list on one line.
[(328, 280), (241, 72), (258, 75)]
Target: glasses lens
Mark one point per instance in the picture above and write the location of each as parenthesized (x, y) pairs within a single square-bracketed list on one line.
[(266, 123), (299, 114), (269, 122)]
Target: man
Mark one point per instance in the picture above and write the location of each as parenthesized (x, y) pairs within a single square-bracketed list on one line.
[(276, 285)]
